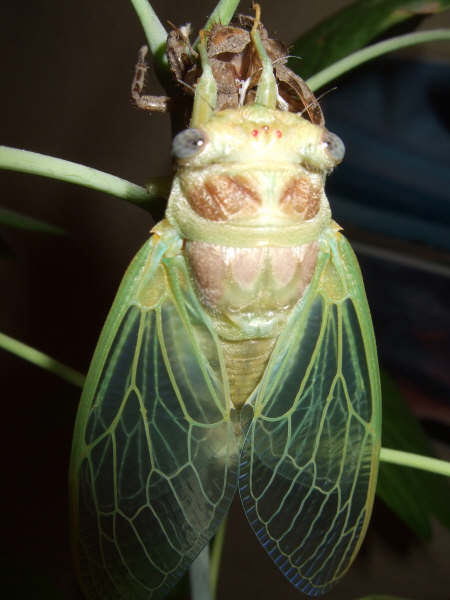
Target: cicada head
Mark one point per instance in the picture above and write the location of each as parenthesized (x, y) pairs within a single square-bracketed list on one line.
[(250, 175)]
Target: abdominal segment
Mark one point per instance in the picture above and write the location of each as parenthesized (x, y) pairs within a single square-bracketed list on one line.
[(249, 294)]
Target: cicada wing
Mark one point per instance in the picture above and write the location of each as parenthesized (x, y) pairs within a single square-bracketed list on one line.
[(154, 458), (309, 463)]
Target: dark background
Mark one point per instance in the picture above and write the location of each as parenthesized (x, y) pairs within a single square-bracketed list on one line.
[(66, 73)]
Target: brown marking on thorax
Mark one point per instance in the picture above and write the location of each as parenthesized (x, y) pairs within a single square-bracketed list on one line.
[(225, 197), (301, 196), (221, 197)]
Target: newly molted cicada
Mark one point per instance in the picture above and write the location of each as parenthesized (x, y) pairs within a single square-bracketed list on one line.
[(238, 354)]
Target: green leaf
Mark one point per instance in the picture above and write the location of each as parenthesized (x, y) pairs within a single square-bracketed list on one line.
[(415, 461), (223, 13), (353, 28), (41, 360), (11, 218), (216, 555), (412, 494), (361, 56), (65, 170), (154, 30)]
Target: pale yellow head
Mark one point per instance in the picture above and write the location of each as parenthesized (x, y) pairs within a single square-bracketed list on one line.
[(252, 176)]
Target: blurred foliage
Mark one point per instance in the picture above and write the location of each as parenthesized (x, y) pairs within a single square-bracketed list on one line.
[(354, 27)]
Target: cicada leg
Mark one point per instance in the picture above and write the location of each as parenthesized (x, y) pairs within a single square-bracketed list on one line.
[(144, 101)]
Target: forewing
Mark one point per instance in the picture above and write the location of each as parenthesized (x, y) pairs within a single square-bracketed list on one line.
[(154, 458), (309, 462)]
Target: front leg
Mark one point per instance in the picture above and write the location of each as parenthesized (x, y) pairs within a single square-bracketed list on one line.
[(143, 101)]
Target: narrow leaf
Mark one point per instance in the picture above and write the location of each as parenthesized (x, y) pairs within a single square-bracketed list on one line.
[(153, 28), (11, 218), (354, 27), (415, 461), (216, 555), (65, 170), (361, 56), (41, 360), (223, 13), (199, 576)]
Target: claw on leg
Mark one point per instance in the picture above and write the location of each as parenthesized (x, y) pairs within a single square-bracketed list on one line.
[(144, 101)]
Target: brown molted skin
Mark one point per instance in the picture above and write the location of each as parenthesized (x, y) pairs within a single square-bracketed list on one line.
[(179, 53), (233, 60), (229, 55)]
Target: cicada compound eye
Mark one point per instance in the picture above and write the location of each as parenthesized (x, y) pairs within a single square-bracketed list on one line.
[(334, 146), (188, 143)]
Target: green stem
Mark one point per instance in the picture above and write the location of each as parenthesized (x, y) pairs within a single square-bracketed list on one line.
[(216, 555), (41, 360), (361, 56), (153, 28), (223, 13), (199, 576), (65, 170), (416, 461)]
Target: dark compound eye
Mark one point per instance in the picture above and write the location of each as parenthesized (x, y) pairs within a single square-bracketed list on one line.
[(188, 143), (334, 146)]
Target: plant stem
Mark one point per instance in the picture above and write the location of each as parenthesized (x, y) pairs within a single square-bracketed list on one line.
[(223, 13), (415, 461), (65, 170), (216, 555), (199, 576), (41, 360), (153, 28), (361, 56)]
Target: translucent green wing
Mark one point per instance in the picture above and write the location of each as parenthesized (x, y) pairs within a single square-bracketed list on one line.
[(309, 463), (154, 459)]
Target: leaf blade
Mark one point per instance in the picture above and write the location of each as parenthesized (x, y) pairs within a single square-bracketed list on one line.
[(361, 56), (352, 28), (35, 163), (12, 218)]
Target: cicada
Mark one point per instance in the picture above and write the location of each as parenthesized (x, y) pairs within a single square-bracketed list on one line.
[(239, 354)]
